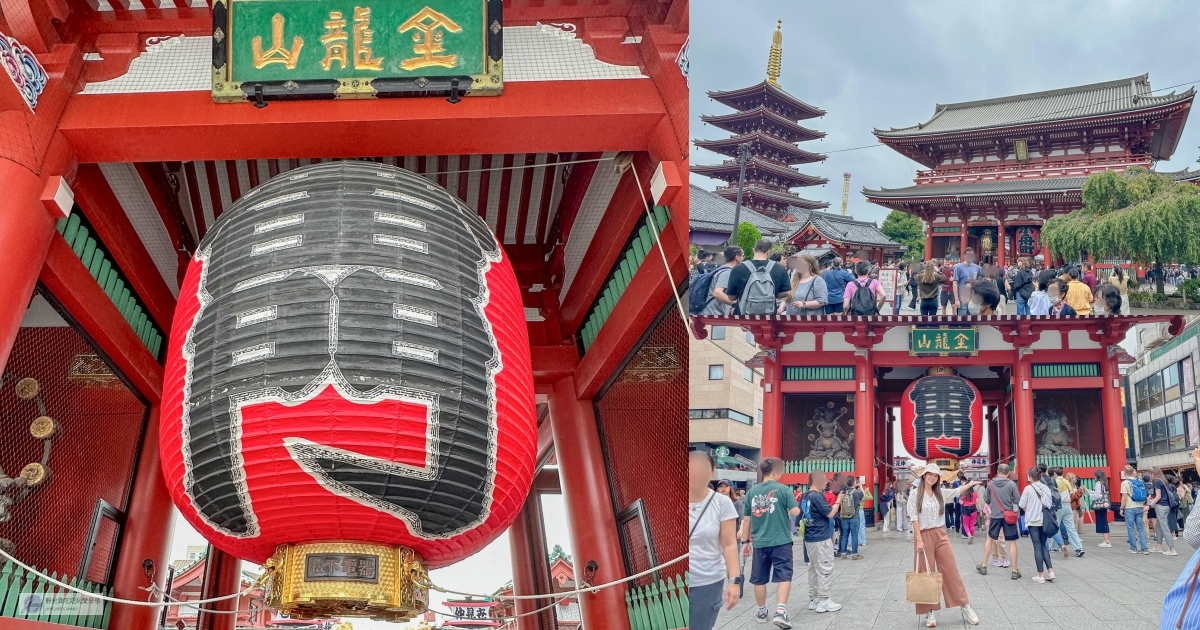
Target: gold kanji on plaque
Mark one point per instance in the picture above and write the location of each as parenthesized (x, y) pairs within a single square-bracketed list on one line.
[(276, 53), (335, 40), (960, 341), (363, 36), (429, 25)]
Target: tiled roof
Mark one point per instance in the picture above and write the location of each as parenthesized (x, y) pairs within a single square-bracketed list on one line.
[(847, 230), (712, 213), (1185, 175), (1003, 186), (801, 109), (1085, 101)]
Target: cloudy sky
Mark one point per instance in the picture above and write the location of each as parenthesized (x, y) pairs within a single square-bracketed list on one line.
[(885, 63)]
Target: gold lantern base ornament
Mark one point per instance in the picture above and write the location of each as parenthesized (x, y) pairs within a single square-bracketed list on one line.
[(346, 578)]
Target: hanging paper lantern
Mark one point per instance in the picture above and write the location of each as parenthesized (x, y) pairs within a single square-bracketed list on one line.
[(1027, 241), (348, 395), (941, 416)]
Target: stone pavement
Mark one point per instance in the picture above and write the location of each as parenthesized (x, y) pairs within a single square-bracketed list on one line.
[(1107, 588)]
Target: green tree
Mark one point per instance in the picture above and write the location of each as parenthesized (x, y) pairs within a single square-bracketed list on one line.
[(1147, 216), (747, 236), (907, 230)]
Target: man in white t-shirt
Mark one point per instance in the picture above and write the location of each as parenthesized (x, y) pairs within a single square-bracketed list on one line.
[(712, 544)]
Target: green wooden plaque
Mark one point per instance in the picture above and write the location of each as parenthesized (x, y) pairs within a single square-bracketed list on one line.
[(297, 49), (943, 341)]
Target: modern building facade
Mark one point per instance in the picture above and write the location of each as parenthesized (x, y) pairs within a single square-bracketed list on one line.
[(998, 168), (725, 407), (1162, 398)]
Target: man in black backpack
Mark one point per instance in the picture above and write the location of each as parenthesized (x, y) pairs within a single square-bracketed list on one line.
[(718, 303), (864, 296), (740, 276)]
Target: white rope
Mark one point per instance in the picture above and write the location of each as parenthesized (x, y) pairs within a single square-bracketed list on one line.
[(562, 595), (118, 600), (657, 239)]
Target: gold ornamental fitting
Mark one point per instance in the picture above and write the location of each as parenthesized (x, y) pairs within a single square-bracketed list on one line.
[(43, 428), (940, 371), (28, 388), (35, 474), (347, 578)]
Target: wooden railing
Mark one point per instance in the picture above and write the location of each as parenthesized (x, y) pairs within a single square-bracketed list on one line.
[(658, 606), (825, 465), (27, 596), (1030, 169)]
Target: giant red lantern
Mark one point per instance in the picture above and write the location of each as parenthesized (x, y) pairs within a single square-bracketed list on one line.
[(941, 416), (348, 393)]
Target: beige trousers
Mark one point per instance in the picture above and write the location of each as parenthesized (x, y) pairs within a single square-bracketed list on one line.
[(941, 560)]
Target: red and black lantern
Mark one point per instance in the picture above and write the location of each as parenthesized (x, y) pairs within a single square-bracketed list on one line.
[(941, 416), (349, 364), (1026, 239)]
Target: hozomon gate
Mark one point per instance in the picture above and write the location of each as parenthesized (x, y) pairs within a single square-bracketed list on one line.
[(849, 374), (115, 161)]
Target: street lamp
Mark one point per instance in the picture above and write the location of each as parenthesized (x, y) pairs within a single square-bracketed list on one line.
[(743, 155)]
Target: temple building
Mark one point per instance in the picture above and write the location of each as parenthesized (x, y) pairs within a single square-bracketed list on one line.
[(998, 168), (766, 121)]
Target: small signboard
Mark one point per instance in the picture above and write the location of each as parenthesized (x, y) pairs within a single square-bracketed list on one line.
[(288, 50), (888, 277), (341, 567), (746, 461), (977, 462), (942, 341)]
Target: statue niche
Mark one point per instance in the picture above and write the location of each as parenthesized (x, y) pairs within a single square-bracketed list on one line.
[(829, 442), (1051, 424)]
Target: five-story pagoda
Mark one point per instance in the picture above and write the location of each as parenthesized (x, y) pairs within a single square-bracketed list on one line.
[(767, 120)]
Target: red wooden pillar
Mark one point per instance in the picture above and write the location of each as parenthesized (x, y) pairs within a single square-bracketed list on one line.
[(1023, 409), (1114, 425), (589, 506), (928, 242), (527, 547), (890, 455), (222, 576), (25, 230), (147, 536), (864, 414), (772, 423), (992, 418), (880, 471), (962, 241)]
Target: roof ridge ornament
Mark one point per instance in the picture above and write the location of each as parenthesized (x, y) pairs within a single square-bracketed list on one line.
[(775, 58)]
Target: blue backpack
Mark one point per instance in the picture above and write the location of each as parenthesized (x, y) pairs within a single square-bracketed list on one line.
[(1139, 490), (700, 293)]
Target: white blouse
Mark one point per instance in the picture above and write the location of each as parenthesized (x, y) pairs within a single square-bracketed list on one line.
[(930, 517), (1035, 496)]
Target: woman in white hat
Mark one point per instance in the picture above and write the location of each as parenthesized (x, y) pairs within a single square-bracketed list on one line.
[(926, 509)]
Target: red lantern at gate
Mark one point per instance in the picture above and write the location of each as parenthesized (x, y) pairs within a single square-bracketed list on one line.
[(941, 416), (348, 394)]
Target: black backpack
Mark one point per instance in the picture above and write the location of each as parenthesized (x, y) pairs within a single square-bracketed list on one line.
[(863, 301)]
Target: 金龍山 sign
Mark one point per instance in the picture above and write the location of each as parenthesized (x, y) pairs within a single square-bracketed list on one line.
[(288, 49), (943, 341)]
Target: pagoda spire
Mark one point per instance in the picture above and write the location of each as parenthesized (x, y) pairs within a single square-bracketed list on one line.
[(775, 58)]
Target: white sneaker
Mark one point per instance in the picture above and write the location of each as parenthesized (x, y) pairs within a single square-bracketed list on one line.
[(812, 604), (1039, 579), (1171, 553), (972, 618), (930, 622), (828, 606), (1104, 544)]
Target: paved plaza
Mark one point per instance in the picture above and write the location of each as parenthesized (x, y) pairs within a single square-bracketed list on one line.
[(1107, 588)]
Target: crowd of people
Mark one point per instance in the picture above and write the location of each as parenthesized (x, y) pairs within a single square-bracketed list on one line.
[(827, 518), (767, 283)]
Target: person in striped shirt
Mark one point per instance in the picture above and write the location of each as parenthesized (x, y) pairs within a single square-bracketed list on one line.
[(1181, 606)]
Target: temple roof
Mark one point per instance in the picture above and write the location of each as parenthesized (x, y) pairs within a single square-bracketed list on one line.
[(774, 196), (792, 153), (1085, 101), (1185, 175), (736, 122), (783, 103), (836, 227), (710, 212), (993, 187), (730, 169)]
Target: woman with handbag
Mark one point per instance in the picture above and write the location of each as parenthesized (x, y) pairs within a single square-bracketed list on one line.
[(1039, 518), (712, 544), (926, 507), (1100, 506)]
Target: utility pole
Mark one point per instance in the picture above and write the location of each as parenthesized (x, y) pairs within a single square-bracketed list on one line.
[(743, 156)]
